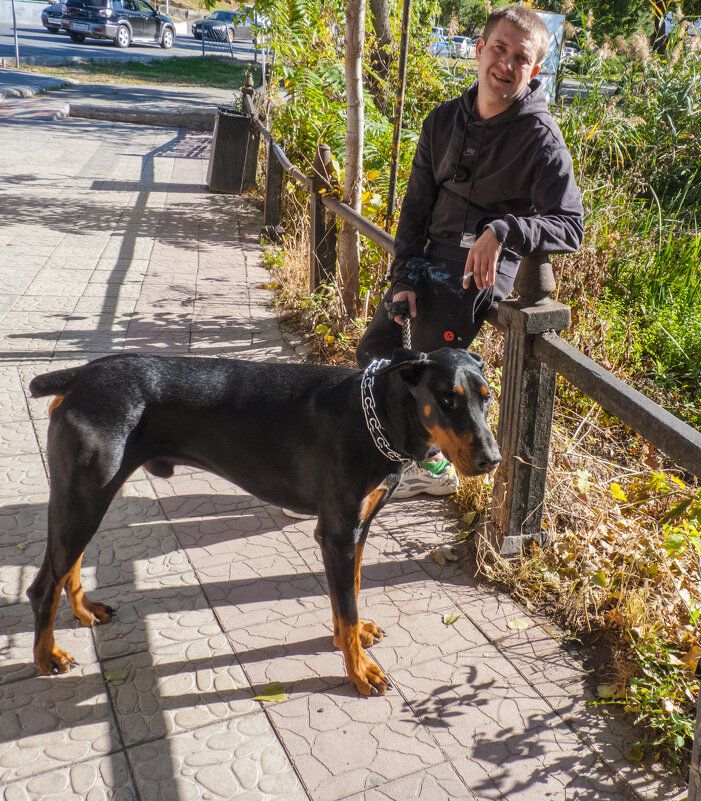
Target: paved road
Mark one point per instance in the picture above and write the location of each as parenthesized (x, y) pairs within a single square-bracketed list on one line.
[(37, 45)]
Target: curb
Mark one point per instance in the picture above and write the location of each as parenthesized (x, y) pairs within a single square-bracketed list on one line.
[(30, 90), (191, 118)]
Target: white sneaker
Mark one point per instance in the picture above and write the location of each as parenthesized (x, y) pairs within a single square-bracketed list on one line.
[(417, 479), (297, 515)]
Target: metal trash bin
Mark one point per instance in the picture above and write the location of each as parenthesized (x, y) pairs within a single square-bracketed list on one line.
[(234, 152)]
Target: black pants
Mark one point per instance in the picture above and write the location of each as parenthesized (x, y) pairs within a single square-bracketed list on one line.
[(447, 314)]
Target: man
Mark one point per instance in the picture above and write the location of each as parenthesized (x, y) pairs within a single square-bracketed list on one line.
[(491, 181)]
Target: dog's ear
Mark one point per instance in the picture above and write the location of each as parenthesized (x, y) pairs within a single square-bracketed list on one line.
[(409, 364), (477, 358), (400, 355)]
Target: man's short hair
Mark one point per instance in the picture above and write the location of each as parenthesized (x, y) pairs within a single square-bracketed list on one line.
[(526, 20)]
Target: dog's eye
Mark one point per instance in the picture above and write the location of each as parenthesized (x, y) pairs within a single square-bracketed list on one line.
[(449, 402)]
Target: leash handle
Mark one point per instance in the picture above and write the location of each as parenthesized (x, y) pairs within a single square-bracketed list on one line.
[(400, 308)]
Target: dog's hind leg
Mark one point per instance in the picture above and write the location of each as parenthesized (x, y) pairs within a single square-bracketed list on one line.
[(75, 512), (87, 612)]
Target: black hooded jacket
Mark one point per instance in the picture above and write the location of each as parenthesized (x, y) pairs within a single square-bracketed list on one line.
[(512, 172)]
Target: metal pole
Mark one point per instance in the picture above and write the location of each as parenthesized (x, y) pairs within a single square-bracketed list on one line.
[(398, 113), (14, 28)]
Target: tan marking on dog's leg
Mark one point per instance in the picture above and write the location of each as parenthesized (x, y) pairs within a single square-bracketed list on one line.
[(362, 671), (86, 611), (47, 657), (368, 632)]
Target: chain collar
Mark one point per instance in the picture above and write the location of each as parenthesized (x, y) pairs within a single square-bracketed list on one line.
[(371, 419)]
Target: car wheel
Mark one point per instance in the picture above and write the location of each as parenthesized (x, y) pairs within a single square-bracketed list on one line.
[(230, 35), (167, 39), (123, 37), (197, 36), (53, 30), (76, 37)]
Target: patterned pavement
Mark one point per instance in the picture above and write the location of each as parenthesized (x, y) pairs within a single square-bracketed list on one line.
[(110, 242)]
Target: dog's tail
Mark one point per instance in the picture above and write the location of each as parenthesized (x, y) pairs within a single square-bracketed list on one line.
[(56, 383)]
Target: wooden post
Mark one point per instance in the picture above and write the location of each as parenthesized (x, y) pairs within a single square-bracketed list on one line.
[(526, 409), (322, 232), (272, 212)]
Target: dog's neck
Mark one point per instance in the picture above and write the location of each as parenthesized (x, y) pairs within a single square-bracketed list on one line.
[(398, 417)]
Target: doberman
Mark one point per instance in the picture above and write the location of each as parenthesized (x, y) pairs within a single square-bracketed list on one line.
[(316, 439)]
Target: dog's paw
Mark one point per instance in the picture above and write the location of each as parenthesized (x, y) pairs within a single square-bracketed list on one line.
[(56, 661), (369, 633), (368, 677), (88, 613)]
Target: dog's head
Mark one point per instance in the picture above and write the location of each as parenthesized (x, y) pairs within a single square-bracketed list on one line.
[(452, 399)]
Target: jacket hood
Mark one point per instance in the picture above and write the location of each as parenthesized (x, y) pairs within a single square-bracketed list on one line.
[(532, 101)]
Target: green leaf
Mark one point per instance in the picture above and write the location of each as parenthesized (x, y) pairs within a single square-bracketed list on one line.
[(449, 619), (599, 579), (470, 517), (115, 674), (518, 624), (675, 543), (675, 512), (636, 753), (273, 692)]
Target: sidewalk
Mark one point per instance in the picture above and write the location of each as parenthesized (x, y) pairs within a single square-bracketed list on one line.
[(110, 242)]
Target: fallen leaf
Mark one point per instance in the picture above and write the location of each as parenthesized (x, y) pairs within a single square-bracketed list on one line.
[(272, 285), (606, 691), (614, 618), (273, 692), (449, 619), (691, 658), (636, 753), (443, 555), (582, 481), (518, 624), (470, 517), (22, 546), (115, 674), (599, 579)]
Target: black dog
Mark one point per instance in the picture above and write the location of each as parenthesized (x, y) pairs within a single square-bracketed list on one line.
[(300, 436)]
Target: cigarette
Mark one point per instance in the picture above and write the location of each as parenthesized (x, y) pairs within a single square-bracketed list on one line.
[(467, 277)]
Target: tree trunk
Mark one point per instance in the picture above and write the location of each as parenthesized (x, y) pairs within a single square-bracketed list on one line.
[(349, 239), (381, 51)]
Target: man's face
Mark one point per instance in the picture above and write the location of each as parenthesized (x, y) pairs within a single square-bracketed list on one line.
[(506, 63)]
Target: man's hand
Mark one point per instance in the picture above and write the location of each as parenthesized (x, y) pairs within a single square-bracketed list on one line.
[(482, 261), (408, 296)]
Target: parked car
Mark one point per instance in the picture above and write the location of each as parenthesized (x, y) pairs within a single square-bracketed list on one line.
[(442, 47), (51, 17), (125, 22), (219, 25)]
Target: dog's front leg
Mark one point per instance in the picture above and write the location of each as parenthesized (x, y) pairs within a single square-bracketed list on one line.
[(340, 559)]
